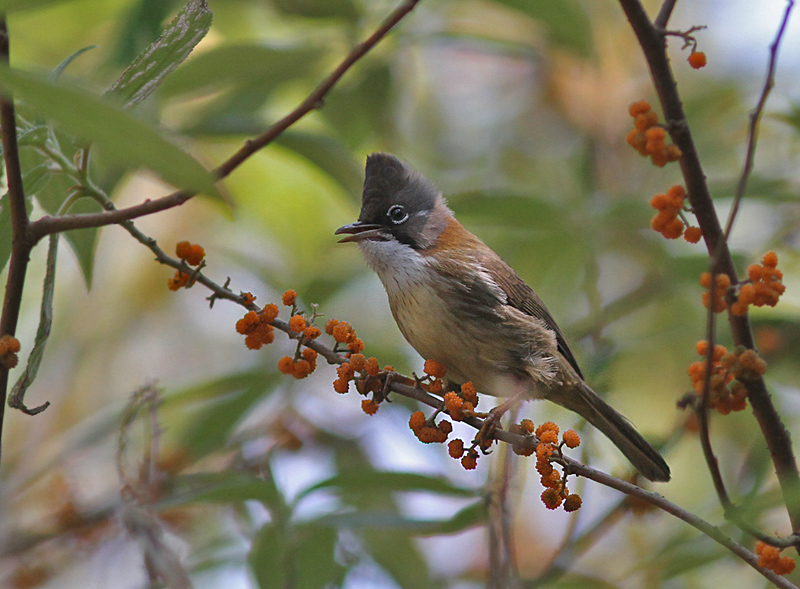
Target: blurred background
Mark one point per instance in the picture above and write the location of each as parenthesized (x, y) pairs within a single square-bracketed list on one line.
[(518, 112)]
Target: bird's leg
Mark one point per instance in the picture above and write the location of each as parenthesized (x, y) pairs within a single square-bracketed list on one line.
[(485, 436)]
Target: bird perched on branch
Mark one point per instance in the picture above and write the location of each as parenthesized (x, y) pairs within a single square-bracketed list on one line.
[(457, 302)]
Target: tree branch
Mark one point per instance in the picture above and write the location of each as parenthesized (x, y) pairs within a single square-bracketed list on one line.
[(20, 245), (47, 225), (653, 44)]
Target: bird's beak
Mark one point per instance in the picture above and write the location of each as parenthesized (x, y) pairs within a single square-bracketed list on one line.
[(358, 231)]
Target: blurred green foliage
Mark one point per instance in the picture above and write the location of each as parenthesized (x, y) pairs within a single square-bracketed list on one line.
[(518, 111)]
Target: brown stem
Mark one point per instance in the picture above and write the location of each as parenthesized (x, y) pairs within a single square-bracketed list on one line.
[(20, 245), (47, 225), (653, 44)]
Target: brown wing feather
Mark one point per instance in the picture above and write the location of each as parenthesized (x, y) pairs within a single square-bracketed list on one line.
[(522, 297)]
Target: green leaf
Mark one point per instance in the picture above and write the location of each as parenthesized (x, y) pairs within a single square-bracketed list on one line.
[(267, 557), (210, 430), (565, 21), (13, 5), (17, 396), (163, 56), (222, 487), (319, 8), (328, 155), (119, 135), (371, 482), (469, 517), (314, 564), (397, 553), (140, 27), (241, 65)]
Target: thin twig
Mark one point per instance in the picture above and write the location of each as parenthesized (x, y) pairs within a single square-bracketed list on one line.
[(755, 118), (47, 224)]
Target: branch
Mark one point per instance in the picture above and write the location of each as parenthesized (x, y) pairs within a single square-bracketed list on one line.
[(755, 118), (653, 44), (47, 225), (20, 245)]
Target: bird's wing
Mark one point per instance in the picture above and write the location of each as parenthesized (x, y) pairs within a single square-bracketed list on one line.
[(521, 296)]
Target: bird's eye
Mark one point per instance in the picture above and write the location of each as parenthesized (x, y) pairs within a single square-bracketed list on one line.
[(397, 214)]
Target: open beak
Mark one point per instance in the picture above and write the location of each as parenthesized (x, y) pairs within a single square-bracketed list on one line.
[(359, 231)]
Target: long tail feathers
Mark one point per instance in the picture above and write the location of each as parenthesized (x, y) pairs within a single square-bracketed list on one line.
[(585, 402)]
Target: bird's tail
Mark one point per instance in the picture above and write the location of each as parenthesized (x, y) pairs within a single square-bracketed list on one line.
[(586, 403)]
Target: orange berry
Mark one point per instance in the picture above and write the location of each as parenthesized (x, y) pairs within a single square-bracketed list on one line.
[(269, 313), (434, 369), (341, 385), (248, 298), (310, 355), (527, 425), (356, 345), (357, 362), (196, 255), (638, 108), (739, 308), (179, 280), (9, 345), (674, 229), (784, 566), (183, 249), (551, 498), (297, 323), (770, 259), (469, 393), (417, 420), (572, 503), (342, 332), (633, 138), (311, 332), (289, 298), (697, 59), (369, 406), (301, 369), (372, 367), (571, 439), (286, 365), (659, 158), (246, 323), (546, 426), (693, 234), (455, 448), (330, 325), (470, 461), (660, 201), (549, 437)]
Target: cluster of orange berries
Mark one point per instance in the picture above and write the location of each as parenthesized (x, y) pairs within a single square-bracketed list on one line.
[(648, 137), (427, 430), (259, 331), (722, 284), (368, 369), (764, 286), (9, 348), (190, 253), (727, 391), (461, 404), (769, 557), (556, 492), (669, 220)]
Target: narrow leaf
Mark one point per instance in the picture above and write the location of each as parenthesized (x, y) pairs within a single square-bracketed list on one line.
[(17, 397), (386, 482), (120, 136), (65, 64), (161, 58)]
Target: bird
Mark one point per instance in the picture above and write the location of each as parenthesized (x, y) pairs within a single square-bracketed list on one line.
[(459, 303)]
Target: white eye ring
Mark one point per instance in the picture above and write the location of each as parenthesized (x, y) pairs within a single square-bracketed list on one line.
[(397, 214)]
